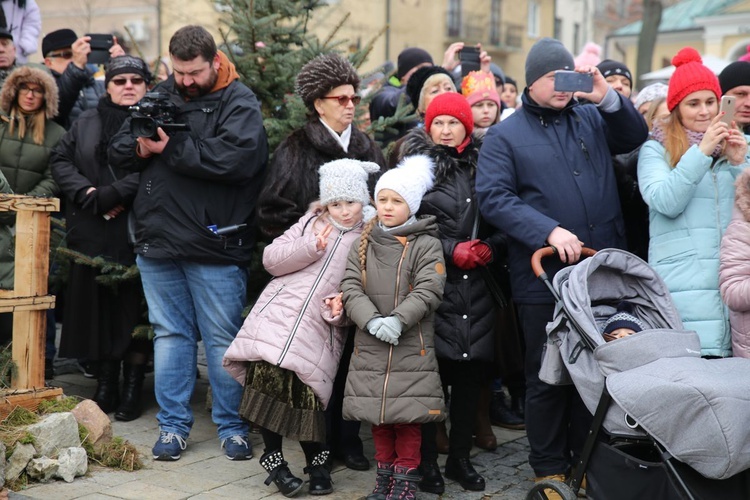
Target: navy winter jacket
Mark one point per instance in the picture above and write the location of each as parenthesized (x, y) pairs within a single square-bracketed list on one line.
[(542, 168)]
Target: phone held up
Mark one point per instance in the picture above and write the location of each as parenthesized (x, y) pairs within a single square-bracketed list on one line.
[(100, 45), (573, 81), (727, 106), (469, 57)]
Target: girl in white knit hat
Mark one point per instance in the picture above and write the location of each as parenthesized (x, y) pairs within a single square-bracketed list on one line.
[(288, 349)]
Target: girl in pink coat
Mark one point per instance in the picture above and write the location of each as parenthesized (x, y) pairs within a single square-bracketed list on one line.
[(288, 350)]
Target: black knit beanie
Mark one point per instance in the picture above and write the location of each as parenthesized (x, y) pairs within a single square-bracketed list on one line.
[(126, 64), (416, 81), (608, 67), (734, 75), (410, 58)]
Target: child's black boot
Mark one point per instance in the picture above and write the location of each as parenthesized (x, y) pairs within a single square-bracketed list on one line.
[(383, 482), (320, 474), (279, 473)]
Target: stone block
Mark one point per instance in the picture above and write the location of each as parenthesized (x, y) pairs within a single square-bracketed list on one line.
[(96, 422), (18, 461), (42, 469), (72, 462), (54, 433)]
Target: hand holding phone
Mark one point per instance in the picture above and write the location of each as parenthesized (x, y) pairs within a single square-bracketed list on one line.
[(100, 45), (727, 106), (469, 57), (573, 81)]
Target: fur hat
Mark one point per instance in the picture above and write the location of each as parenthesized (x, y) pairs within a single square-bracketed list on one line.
[(411, 179), (608, 67), (126, 64), (29, 74), (451, 104), (58, 39), (544, 56), (479, 86), (323, 74), (734, 75), (410, 58), (650, 93), (623, 318), (419, 78), (346, 179), (690, 75), (590, 55)]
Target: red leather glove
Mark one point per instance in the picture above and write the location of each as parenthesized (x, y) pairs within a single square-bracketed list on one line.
[(482, 250), (464, 257)]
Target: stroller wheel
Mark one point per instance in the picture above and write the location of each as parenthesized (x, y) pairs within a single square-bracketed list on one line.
[(548, 490)]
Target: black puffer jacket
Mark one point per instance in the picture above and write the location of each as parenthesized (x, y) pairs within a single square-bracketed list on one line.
[(292, 182), (79, 91), (464, 321)]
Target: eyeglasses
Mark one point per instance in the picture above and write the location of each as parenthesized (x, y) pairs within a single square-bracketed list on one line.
[(344, 99), (25, 89), (65, 54), (119, 82)]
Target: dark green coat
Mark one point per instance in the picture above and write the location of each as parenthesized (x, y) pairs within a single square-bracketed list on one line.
[(396, 384)]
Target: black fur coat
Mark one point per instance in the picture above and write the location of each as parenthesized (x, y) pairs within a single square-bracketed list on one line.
[(292, 179)]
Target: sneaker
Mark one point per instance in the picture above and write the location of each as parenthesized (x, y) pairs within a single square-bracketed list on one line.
[(169, 446), (237, 448)]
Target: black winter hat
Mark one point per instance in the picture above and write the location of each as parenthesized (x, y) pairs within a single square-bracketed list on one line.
[(4, 33), (409, 59), (608, 67), (623, 318), (126, 64), (417, 80), (59, 39), (734, 75)]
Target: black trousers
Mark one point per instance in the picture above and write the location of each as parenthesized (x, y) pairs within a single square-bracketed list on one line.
[(342, 436), (557, 421)]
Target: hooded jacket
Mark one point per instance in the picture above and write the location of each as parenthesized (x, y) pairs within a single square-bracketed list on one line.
[(290, 326), (209, 175), (542, 168), (405, 277), (464, 322), (734, 269)]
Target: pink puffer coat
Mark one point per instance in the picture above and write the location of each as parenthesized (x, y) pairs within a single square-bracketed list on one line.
[(290, 325), (734, 271)]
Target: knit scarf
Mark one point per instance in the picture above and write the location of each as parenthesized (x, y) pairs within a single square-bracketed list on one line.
[(694, 139), (112, 117)]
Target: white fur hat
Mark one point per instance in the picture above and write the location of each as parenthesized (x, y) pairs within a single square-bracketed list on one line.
[(411, 179), (346, 179)]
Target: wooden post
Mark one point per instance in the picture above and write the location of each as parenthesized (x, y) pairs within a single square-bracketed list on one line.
[(29, 300)]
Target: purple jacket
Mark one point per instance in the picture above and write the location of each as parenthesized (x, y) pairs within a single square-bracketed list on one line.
[(290, 326)]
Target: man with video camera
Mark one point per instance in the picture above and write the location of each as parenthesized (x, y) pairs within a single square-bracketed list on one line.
[(194, 231)]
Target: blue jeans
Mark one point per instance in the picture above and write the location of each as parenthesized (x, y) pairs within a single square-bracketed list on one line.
[(186, 299)]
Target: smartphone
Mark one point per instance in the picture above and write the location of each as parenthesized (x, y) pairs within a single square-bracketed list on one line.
[(100, 45), (469, 57), (573, 81), (727, 106)]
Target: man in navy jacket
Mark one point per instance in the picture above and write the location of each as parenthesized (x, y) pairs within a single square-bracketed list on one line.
[(545, 177)]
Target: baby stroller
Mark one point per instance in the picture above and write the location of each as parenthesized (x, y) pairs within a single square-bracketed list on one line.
[(679, 427)]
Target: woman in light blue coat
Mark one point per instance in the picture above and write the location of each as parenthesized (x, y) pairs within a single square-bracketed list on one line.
[(686, 175)]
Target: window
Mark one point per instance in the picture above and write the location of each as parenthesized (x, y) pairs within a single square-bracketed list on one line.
[(533, 21), (454, 18), (558, 29), (495, 28), (576, 38)]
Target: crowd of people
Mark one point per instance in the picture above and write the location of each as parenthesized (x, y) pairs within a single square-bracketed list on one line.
[(402, 294)]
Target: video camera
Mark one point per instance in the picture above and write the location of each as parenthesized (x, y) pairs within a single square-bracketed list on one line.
[(153, 111)]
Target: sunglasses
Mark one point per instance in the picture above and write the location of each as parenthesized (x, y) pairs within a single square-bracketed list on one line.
[(119, 82), (344, 99), (25, 89), (65, 54)]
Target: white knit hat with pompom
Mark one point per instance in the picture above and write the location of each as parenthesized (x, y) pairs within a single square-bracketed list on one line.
[(411, 179)]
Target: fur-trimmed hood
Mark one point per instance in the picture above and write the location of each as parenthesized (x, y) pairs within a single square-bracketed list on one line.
[(28, 74), (742, 194), (446, 159)]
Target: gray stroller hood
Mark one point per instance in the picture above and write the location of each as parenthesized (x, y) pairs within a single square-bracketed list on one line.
[(656, 376)]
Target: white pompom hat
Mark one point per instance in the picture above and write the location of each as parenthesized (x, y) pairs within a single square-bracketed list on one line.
[(411, 179)]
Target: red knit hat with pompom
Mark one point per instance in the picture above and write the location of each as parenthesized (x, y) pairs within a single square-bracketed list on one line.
[(451, 104), (690, 75)]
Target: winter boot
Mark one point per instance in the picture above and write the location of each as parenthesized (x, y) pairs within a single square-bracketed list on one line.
[(461, 471), (404, 483), (132, 387), (279, 473), (107, 393), (503, 416), (484, 437), (431, 479), (382, 482), (320, 475)]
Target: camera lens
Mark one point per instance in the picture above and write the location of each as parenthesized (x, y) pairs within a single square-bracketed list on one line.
[(143, 126)]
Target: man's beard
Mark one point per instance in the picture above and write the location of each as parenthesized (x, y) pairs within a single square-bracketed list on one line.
[(195, 90)]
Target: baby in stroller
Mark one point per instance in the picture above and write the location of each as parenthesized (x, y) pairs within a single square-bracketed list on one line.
[(622, 323)]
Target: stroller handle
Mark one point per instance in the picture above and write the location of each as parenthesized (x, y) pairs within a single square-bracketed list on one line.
[(536, 259)]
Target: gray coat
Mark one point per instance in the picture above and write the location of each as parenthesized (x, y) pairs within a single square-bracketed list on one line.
[(395, 384)]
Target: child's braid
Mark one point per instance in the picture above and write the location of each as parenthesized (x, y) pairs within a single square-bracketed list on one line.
[(363, 247)]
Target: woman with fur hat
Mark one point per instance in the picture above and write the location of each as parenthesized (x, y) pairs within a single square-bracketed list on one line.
[(464, 322), (28, 99), (328, 86), (99, 320), (287, 352), (393, 283), (686, 174)]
